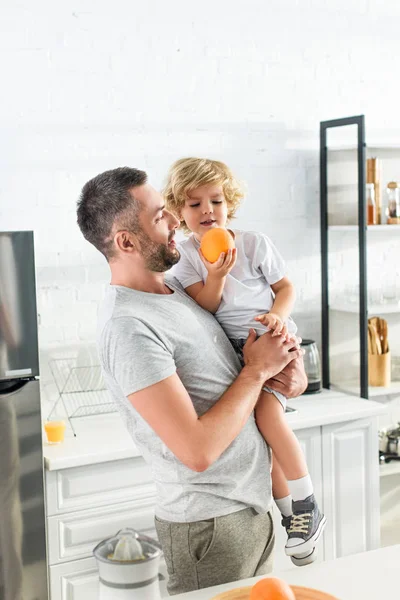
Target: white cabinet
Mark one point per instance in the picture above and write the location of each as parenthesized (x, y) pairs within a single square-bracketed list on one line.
[(74, 535), (311, 444), (343, 464), (351, 487), (102, 484), (88, 503), (76, 580)]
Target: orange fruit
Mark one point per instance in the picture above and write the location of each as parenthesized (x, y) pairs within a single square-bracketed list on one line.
[(214, 242), (271, 588)]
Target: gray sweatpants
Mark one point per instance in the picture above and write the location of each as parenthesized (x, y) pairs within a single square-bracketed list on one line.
[(218, 550)]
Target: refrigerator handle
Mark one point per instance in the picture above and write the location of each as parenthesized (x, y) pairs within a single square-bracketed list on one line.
[(11, 386)]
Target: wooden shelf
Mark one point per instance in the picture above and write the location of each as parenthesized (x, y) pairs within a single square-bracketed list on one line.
[(376, 228), (373, 309)]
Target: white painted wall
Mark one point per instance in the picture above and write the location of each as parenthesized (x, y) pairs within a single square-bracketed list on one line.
[(91, 85)]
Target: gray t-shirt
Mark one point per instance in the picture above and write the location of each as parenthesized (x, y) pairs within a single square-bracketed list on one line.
[(144, 338)]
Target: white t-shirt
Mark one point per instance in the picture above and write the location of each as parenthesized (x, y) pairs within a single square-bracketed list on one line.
[(247, 291)]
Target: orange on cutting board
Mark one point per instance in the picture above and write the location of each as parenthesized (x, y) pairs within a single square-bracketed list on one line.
[(300, 593), (271, 588), (214, 242)]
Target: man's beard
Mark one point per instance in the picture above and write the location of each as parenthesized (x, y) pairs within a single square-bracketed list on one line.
[(158, 257)]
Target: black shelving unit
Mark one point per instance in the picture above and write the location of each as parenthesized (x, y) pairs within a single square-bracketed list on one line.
[(325, 127)]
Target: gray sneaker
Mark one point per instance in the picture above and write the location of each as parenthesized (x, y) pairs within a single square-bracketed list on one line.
[(301, 560), (306, 526), (305, 558)]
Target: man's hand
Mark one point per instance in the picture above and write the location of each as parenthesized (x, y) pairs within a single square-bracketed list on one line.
[(222, 266), (269, 355), (291, 381)]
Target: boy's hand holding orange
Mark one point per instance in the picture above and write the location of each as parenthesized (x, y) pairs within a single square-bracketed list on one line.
[(215, 242), (218, 252), (223, 265)]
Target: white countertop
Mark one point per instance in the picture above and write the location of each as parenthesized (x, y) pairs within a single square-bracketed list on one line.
[(367, 576), (330, 407), (104, 438)]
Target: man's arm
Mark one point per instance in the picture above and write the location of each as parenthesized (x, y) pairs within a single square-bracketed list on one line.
[(199, 441)]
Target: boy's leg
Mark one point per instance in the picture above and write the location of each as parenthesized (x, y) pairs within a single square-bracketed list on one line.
[(280, 489), (307, 523), (281, 492), (274, 427), (283, 500)]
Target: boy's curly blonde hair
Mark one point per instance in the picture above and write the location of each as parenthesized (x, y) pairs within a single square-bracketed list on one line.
[(187, 174)]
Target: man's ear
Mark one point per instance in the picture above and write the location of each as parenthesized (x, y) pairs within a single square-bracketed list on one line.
[(126, 241)]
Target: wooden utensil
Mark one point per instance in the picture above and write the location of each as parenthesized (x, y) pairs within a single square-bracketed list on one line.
[(369, 341), (384, 336), (301, 593), (374, 339), (374, 323)]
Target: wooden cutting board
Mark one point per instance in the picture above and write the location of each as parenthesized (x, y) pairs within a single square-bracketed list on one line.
[(301, 593)]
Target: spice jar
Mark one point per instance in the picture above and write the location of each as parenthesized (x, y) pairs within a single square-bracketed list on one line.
[(371, 205), (393, 203)]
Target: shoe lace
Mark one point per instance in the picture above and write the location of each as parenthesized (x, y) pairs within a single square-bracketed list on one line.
[(300, 523)]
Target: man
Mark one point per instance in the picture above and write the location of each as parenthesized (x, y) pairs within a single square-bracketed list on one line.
[(182, 393)]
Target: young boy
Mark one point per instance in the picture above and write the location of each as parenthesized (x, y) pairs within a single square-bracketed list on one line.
[(246, 288)]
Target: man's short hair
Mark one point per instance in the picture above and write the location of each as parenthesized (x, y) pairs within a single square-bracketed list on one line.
[(105, 200)]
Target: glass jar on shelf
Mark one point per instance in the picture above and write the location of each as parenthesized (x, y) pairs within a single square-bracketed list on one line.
[(393, 203), (371, 205)]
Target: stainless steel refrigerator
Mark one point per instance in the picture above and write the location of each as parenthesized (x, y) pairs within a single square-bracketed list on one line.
[(23, 568)]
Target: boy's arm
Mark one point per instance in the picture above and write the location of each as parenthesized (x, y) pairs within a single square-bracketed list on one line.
[(285, 297), (209, 294)]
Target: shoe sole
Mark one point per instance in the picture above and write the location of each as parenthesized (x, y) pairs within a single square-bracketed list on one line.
[(308, 545), (301, 561)]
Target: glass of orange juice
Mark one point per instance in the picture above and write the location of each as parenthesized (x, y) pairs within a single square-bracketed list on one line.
[(54, 431)]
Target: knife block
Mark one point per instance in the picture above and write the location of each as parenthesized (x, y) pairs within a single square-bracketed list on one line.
[(379, 370)]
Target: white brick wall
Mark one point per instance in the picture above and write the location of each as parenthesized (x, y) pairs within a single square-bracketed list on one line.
[(91, 85)]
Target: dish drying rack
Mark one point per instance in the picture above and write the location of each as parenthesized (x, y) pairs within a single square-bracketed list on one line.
[(81, 389)]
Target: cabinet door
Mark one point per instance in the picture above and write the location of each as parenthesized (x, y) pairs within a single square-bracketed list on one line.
[(76, 580), (351, 487), (311, 443), (100, 484), (74, 535)]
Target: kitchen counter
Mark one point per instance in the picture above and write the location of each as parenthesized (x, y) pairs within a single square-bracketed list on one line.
[(104, 438), (366, 576)]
